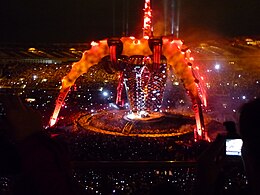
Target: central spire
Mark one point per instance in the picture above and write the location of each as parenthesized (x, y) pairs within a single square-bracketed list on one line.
[(147, 27)]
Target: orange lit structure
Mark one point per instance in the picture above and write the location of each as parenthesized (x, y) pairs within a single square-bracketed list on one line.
[(147, 59), (59, 102), (147, 26)]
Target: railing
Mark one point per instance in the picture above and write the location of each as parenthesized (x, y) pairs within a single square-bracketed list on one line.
[(140, 177), (133, 177), (132, 164)]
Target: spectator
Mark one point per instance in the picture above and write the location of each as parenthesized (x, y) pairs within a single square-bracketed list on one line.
[(249, 128), (210, 162), (209, 168), (231, 130), (44, 161)]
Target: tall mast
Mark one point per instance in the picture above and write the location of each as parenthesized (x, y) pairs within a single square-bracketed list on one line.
[(177, 28), (125, 15), (147, 27), (172, 17)]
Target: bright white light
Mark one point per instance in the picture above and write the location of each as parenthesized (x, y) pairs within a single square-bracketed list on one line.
[(217, 66), (93, 44), (243, 97), (113, 105), (35, 77), (105, 93), (30, 100)]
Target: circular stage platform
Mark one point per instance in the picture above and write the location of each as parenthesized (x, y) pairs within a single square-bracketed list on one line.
[(116, 123)]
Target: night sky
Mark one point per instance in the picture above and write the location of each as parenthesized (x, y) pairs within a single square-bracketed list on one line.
[(86, 20)]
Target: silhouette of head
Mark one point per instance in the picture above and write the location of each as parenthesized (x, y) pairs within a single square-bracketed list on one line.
[(249, 125)]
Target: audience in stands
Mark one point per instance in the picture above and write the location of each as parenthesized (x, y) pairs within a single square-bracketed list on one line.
[(211, 161), (44, 163), (249, 128), (231, 130)]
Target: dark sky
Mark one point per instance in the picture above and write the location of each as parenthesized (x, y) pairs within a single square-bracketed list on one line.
[(85, 20)]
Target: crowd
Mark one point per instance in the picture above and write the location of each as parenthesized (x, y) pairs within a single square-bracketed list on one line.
[(112, 148), (42, 82), (229, 87)]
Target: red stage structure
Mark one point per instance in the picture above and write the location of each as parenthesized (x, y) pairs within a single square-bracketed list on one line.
[(143, 68)]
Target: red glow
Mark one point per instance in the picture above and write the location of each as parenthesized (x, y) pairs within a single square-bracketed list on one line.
[(172, 49), (59, 103), (120, 87), (112, 51)]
